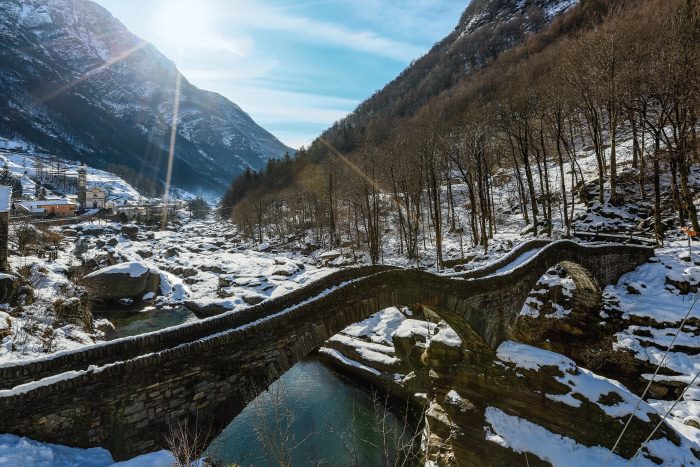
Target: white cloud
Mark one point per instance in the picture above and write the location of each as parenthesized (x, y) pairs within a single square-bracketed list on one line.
[(273, 106), (254, 15)]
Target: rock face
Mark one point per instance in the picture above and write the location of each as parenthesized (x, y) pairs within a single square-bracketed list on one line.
[(124, 280), (122, 113)]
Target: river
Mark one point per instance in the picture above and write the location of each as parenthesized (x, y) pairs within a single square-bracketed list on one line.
[(313, 415)]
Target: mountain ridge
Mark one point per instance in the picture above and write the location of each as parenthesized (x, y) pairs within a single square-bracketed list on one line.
[(485, 29), (75, 81)]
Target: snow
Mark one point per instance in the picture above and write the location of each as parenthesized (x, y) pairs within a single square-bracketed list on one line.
[(523, 436), (593, 387), (532, 358), (656, 300), (49, 380), (132, 268), (661, 307), (16, 452), (522, 259), (346, 361), (379, 327), (447, 337), (368, 350), (581, 382), (413, 327), (31, 205)]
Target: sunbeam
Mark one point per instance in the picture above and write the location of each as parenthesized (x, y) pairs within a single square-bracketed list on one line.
[(171, 149), (88, 74), (352, 166)]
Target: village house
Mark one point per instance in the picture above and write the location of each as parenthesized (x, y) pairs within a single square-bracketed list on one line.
[(54, 207)]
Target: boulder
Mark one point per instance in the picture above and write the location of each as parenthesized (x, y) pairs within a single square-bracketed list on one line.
[(213, 268), (93, 231), (5, 325), (253, 299), (182, 271), (124, 280), (685, 284), (130, 231), (284, 272), (172, 251), (444, 349), (410, 340), (145, 253), (208, 308), (106, 327)]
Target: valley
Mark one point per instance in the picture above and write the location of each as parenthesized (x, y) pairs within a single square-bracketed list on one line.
[(492, 261)]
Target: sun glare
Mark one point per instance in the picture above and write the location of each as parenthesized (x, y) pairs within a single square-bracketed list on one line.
[(181, 23)]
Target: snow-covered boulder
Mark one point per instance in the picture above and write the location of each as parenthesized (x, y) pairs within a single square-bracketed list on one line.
[(410, 340), (444, 348), (125, 280)]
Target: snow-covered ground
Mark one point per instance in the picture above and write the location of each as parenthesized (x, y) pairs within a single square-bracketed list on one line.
[(23, 452), (198, 267)]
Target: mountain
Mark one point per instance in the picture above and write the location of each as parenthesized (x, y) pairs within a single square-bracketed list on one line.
[(76, 82), (486, 29)]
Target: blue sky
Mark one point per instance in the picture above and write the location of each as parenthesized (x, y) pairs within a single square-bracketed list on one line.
[(295, 66)]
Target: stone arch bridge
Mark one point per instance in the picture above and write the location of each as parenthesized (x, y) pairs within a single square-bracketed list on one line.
[(126, 394)]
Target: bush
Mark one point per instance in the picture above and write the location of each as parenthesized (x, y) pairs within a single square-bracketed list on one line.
[(74, 311), (25, 235)]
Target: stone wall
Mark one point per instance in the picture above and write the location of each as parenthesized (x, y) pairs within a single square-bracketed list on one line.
[(4, 238), (204, 373)]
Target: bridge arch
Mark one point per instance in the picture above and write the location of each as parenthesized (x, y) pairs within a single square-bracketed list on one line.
[(131, 398)]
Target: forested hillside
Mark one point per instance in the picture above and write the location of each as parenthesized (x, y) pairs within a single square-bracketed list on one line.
[(603, 74)]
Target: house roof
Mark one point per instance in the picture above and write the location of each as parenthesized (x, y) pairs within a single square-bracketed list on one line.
[(5, 198), (38, 204)]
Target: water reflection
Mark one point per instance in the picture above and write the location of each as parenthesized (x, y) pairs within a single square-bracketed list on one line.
[(313, 416), (148, 320)]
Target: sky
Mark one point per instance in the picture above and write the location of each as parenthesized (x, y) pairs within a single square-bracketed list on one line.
[(296, 66)]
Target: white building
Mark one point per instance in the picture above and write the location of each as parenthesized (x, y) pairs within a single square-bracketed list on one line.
[(95, 198)]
